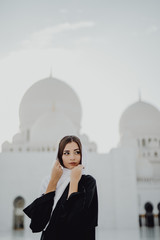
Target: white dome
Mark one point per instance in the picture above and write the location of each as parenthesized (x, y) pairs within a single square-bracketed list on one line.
[(140, 119), (49, 95), (5, 146), (18, 138), (50, 128)]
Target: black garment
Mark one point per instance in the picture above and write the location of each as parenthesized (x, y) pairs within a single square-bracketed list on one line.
[(72, 218)]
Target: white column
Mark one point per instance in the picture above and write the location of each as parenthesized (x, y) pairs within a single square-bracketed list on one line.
[(125, 188)]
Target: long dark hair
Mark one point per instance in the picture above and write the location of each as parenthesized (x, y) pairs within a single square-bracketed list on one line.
[(64, 141)]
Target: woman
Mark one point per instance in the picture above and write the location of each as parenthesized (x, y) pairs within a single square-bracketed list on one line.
[(69, 207)]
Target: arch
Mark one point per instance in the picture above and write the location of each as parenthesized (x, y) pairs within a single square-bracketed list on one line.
[(43, 149), (155, 154), (149, 217), (28, 135), (143, 142), (18, 215), (54, 148), (158, 206)]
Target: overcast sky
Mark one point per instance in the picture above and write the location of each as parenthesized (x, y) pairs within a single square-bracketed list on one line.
[(106, 50)]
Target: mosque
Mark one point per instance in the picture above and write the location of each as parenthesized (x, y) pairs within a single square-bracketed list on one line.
[(127, 177)]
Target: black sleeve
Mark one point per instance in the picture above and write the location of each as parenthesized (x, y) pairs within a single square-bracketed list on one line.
[(39, 211), (79, 203), (83, 198)]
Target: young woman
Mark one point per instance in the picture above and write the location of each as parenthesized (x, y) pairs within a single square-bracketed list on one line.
[(68, 209)]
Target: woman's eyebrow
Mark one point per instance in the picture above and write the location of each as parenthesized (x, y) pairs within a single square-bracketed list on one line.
[(76, 149), (69, 150)]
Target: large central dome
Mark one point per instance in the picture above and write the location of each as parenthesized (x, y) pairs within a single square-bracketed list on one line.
[(140, 119), (49, 95), (49, 110)]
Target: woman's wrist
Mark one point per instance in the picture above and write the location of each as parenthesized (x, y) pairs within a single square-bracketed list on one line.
[(74, 181), (73, 187), (53, 181), (51, 186)]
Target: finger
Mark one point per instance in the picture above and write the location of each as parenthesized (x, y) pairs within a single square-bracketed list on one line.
[(60, 166), (81, 166), (57, 163)]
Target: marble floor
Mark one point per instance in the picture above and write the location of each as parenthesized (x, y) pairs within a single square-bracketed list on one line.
[(142, 234)]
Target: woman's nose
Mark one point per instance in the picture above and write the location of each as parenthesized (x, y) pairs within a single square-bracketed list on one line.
[(72, 156)]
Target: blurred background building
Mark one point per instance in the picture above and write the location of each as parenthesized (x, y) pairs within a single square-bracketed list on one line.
[(128, 176)]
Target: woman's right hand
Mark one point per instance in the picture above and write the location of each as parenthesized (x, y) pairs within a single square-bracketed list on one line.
[(76, 173), (56, 172)]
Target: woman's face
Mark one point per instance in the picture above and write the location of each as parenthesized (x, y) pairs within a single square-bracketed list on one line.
[(71, 155)]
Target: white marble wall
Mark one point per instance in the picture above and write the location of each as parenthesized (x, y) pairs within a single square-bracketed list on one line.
[(22, 173)]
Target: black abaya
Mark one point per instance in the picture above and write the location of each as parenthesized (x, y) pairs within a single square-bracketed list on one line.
[(72, 218)]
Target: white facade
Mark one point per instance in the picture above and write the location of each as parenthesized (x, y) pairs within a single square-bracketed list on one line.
[(127, 177), (140, 129)]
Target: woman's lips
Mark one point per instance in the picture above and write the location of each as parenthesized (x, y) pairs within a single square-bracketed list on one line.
[(72, 163)]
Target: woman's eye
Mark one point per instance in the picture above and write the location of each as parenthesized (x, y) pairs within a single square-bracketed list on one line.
[(77, 152), (66, 153)]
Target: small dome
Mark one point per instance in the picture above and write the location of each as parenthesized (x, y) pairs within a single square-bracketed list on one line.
[(140, 119), (49, 95), (50, 128), (18, 138), (5, 146)]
